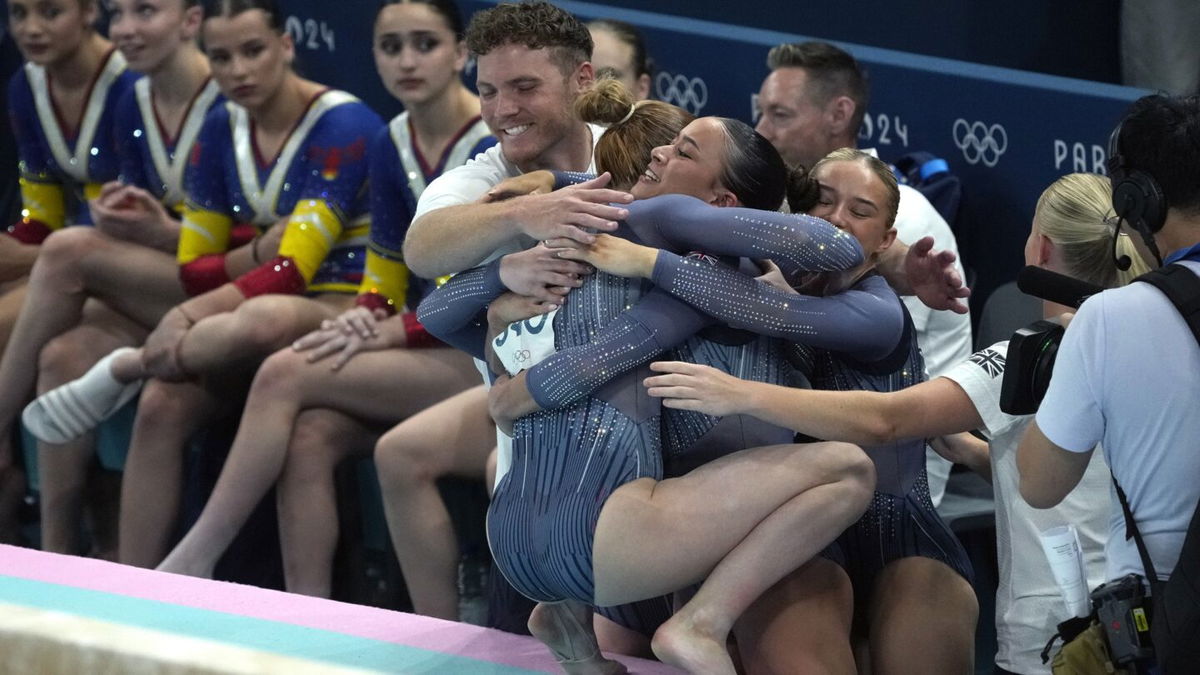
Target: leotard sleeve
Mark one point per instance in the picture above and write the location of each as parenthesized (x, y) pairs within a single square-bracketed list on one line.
[(455, 312), (43, 196), (207, 221), (862, 322), (797, 243), (656, 323)]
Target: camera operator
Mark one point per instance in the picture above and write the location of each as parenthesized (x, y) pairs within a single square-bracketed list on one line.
[(1127, 374)]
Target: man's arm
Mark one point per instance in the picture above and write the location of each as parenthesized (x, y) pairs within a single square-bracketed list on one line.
[(1048, 471), (451, 239)]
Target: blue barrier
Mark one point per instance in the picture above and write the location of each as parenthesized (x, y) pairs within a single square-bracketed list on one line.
[(1006, 133)]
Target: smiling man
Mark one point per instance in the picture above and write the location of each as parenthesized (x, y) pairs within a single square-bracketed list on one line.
[(533, 61)]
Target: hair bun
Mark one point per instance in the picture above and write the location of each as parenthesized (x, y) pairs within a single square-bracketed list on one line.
[(607, 102), (802, 190)]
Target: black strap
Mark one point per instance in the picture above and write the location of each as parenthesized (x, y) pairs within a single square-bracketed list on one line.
[(1182, 288)]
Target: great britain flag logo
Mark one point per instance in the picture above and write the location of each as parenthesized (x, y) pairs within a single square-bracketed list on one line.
[(991, 361)]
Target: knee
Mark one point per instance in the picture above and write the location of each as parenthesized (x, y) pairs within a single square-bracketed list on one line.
[(263, 323), (62, 251), (159, 406), (850, 466), (402, 461), (317, 445), (280, 374)]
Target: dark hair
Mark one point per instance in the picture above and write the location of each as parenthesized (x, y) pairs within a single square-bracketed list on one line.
[(447, 8), (634, 128), (831, 72), (231, 8), (630, 35), (1161, 136), (536, 25), (755, 172)]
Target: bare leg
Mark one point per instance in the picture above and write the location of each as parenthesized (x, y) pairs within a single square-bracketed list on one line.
[(73, 264), (454, 438), (915, 598), (307, 496), (398, 383), (376, 385), (257, 328), (801, 625), (64, 469), (778, 506), (169, 413), (566, 628)]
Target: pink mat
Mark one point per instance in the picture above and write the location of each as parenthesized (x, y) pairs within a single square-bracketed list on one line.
[(338, 617)]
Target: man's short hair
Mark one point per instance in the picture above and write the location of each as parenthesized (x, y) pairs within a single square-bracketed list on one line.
[(831, 72), (536, 25), (1160, 135)]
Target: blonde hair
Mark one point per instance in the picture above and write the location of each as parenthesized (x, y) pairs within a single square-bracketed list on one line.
[(1075, 213), (877, 167), (634, 128)]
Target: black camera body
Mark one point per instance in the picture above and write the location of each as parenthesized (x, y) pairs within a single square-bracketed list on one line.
[(1028, 366), (1123, 609)]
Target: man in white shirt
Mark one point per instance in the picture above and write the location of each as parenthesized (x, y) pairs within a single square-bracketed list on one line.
[(1127, 374), (526, 95), (813, 102)]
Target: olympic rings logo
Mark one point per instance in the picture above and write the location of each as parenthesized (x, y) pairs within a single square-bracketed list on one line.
[(980, 142), (691, 94), (521, 355)]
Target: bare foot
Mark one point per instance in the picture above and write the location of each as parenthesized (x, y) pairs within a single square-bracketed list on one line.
[(683, 643), (566, 628)]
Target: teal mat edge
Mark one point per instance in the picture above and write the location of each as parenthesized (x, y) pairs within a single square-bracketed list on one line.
[(261, 634)]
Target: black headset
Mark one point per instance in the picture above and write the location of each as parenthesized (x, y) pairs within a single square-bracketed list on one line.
[(1137, 198)]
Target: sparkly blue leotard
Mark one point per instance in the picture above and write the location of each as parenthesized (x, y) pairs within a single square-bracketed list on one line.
[(567, 460), (871, 347)]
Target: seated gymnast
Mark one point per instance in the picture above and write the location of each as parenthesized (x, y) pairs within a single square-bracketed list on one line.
[(242, 308), (95, 289)]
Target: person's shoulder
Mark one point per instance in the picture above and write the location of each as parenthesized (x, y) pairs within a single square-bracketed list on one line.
[(917, 218), (490, 161), (351, 116)]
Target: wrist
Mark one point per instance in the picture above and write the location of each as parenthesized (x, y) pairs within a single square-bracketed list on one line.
[(649, 258)]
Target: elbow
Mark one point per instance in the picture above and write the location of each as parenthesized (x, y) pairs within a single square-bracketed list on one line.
[(1037, 496), (417, 260), (878, 429)]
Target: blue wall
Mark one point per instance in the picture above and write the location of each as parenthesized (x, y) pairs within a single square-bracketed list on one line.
[(1006, 133)]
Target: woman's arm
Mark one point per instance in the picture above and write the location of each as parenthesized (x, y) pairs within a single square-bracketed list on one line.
[(797, 243), (932, 408), (966, 449)]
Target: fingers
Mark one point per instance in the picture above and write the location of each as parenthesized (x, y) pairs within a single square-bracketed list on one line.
[(551, 295), (922, 246), (675, 367), (361, 322), (352, 348), (334, 344), (311, 340), (561, 243)]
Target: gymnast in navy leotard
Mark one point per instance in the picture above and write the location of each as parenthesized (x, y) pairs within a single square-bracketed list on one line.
[(555, 524), (901, 543)]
